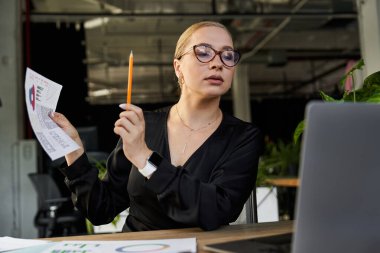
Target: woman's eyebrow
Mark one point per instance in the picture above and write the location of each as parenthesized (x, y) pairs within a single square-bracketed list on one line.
[(208, 45), (204, 44), (228, 48)]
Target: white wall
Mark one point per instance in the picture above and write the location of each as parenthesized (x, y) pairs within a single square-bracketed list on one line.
[(369, 28)]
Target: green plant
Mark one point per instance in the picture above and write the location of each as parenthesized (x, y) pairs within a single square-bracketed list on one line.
[(101, 166), (278, 159), (369, 92)]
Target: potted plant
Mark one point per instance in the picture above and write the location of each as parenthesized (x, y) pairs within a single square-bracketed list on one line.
[(280, 159), (369, 92)]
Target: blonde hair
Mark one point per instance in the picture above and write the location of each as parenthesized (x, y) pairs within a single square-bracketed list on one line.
[(186, 35)]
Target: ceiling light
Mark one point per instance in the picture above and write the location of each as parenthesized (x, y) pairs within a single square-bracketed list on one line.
[(99, 93), (93, 23)]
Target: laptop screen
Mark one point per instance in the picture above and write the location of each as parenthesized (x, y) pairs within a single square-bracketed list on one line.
[(338, 207)]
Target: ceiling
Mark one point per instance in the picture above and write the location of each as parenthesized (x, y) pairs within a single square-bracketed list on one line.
[(293, 48)]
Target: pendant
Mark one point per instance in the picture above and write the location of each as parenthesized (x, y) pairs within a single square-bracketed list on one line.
[(184, 148), (187, 141)]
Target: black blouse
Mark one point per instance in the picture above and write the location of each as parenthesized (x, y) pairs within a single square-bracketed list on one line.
[(208, 191)]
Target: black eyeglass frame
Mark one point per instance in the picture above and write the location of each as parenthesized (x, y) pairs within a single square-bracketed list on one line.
[(216, 53)]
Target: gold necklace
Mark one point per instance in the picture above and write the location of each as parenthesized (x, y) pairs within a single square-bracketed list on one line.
[(192, 130)]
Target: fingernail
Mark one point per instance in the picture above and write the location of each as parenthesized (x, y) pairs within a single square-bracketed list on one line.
[(123, 106), (52, 114)]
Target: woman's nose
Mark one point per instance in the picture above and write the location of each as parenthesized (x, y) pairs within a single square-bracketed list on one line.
[(216, 62)]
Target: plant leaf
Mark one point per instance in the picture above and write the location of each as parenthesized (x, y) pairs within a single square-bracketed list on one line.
[(89, 227), (374, 99), (373, 79), (369, 93), (299, 130), (326, 97)]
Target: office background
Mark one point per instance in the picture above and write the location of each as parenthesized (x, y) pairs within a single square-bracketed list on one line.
[(292, 49)]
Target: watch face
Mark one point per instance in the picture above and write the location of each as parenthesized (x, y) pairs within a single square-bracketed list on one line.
[(148, 170), (155, 159)]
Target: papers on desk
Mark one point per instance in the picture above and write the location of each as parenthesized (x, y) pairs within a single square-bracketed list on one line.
[(10, 243), (41, 97), (183, 245)]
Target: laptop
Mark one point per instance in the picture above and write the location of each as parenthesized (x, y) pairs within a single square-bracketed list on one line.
[(338, 203)]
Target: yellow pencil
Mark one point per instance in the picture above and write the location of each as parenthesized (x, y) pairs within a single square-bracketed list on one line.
[(129, 90)]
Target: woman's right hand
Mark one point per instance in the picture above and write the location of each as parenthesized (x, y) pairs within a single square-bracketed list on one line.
[(71, 131)]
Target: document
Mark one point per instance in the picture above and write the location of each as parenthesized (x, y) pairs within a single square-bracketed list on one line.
[(10, 243), (41, 96), (187, 245)]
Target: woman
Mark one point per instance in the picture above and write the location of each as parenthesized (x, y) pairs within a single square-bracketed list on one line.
[(187, 165)]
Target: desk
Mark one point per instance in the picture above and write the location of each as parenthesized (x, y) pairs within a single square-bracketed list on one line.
[(284, 182), (224, 234)]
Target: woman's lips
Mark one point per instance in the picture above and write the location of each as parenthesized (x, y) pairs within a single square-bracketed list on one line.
[(215, 79)]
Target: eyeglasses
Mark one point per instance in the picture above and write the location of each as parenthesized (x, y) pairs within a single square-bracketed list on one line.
[(205, 53)]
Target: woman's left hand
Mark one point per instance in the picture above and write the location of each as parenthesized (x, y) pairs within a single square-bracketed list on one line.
[(131, 128)]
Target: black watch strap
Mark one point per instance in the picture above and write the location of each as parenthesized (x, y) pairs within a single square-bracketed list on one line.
[(155, 159)]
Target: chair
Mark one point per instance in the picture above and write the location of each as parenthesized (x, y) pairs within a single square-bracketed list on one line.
[(251, 208), (249, 212), (53, 218)]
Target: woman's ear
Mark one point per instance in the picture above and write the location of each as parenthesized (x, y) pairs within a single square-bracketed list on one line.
[(177, 68)]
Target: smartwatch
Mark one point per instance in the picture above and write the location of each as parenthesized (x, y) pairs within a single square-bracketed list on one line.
[(152, 163)]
